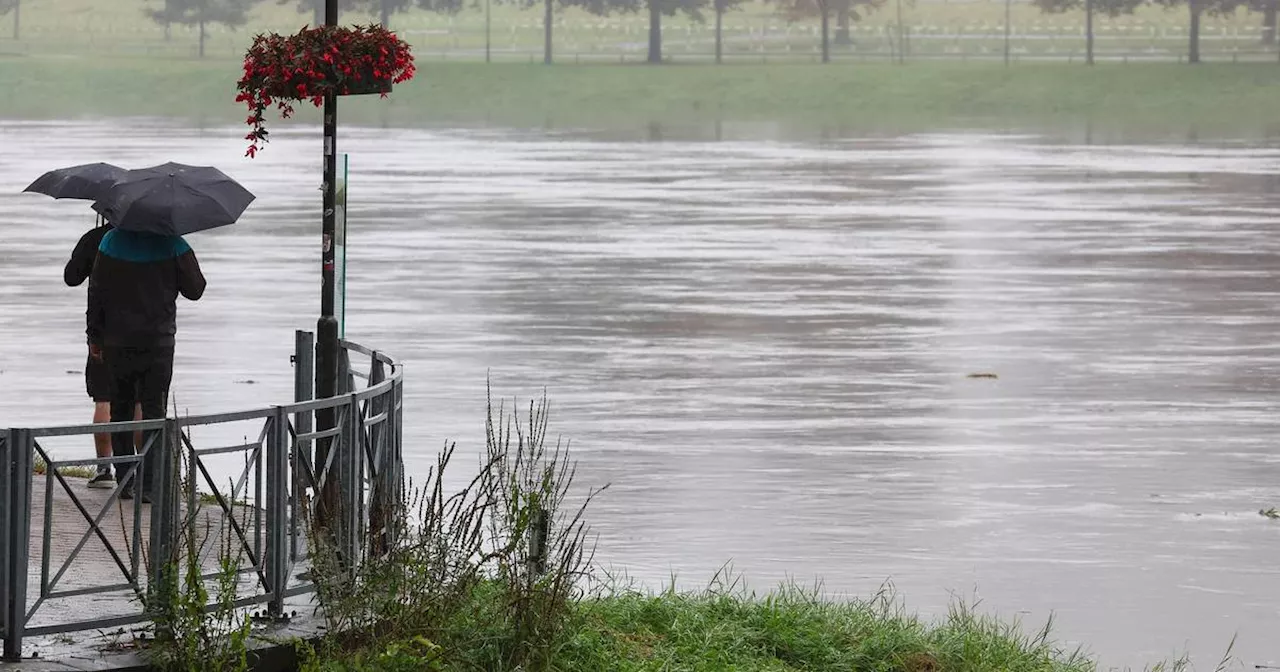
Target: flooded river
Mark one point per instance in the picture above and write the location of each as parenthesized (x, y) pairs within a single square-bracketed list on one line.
[(768, 347)]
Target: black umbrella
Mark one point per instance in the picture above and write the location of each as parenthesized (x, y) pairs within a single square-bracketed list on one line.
[(87, 181), (173, 199)]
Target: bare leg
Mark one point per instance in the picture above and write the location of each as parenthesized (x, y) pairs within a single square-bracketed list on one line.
[(137, 436), (102, 442), (102, 446)]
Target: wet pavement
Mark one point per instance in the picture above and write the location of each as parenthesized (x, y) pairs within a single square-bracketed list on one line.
[(768, 347), (82, 573)]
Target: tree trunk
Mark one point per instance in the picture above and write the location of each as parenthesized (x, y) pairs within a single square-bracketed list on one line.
[(1088, 32), (168, 13), (1008, 28), (655, 32), (546, 27), (488, 34), (719, 32), (843, 37), (386, 13), (1193, 49), (825, 6), (17, 19), (902, 36), (1269, 21), (202, 35)]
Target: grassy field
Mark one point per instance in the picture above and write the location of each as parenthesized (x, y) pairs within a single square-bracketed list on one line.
[(1145, 98), (934, 28)]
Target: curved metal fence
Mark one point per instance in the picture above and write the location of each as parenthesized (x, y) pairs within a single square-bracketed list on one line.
[(74, 559)]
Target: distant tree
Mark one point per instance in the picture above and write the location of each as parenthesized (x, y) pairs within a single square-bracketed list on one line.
[(385, 8), (845, 16), (1197, 9), (14, 6), (446, 6), (1112, 8), (596, 7), (659, 8), (795, 10), (1268, 10), (316, 8), (232, 13), (722, 6)]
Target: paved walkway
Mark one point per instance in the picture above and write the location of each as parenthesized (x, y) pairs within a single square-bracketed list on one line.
[(93, 565)]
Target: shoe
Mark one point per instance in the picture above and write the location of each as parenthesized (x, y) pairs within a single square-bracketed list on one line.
[(103, 481), (146, 498), (126, 493)]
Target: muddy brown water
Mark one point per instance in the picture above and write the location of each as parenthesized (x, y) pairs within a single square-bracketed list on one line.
[(766, 346)]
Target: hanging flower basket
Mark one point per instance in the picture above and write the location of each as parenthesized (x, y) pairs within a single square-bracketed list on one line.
[(282, 70)]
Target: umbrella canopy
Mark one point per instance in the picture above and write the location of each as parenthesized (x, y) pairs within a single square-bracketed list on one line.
[(87, 181), (173, 199)]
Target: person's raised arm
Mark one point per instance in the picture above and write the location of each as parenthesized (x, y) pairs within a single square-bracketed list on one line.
[(191, 282), (81, 263)]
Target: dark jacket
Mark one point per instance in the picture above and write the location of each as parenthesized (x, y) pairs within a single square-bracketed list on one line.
[(134, 287), (81, 264)]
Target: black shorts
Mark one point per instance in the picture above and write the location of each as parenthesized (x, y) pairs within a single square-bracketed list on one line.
[(97, 380)]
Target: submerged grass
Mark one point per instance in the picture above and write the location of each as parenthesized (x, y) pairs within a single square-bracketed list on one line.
[(1146, 98)]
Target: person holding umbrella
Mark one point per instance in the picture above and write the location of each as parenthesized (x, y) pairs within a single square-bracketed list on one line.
[(141, 268), (96, 377), (87, 182)]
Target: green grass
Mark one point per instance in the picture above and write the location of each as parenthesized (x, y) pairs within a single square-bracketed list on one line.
[(1230, 100), (41, 468), (788, 630)]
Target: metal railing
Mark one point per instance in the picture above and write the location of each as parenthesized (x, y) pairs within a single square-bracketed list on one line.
[(289, 475)]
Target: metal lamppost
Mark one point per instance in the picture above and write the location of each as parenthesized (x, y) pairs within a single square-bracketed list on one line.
[(327, 326)]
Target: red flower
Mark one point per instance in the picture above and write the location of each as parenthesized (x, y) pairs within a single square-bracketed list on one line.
[(314, 63)]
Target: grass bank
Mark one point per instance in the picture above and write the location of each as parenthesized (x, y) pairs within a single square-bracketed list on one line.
[(714, 631), (1217, 100)]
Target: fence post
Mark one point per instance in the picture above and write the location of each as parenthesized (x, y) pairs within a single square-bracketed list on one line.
[(277, 469), (346, 379), (340, 477), (18, 533), (164, 503), (350, 483), (5, 442), (381, 509), (396, 475), (304, 363)]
